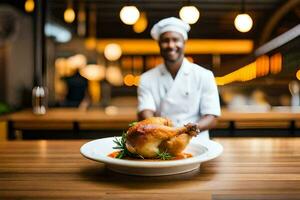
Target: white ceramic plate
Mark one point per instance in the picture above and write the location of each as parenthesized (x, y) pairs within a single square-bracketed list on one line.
[(98, 150)]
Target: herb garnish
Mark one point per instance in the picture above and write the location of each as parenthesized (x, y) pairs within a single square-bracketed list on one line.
[(132, 124), (164, 155), (121, 145)]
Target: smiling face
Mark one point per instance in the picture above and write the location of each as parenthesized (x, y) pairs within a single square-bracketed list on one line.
[(172, 47)]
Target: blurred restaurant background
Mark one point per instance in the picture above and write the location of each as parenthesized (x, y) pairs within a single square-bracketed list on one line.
[(70, 68)]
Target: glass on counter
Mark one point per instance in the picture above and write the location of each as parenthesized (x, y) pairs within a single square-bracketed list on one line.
[(39, 100)]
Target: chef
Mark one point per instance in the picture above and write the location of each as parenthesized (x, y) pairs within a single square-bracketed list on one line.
[(179, 90)]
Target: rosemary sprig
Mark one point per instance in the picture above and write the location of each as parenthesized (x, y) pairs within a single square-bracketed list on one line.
[(164, 155), (121, 145), (120, 142)]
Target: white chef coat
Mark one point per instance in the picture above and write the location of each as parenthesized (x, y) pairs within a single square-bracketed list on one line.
[(185, 99)]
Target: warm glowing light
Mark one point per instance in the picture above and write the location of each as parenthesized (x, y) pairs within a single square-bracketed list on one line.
[(69, 15), (29, 5), (129, 15), (93, 72), (62, 68), (262, 66), (114, 75), (94, 89), (90, 43), (189, 14), (245, 73), (112, 52), (77, 61), (276, 63), (243, 22), (141, 23), (193, 46), (129, 80), (298, 74), (136, 80)]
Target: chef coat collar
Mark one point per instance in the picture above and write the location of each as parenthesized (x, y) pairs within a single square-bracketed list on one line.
[(184, 68)]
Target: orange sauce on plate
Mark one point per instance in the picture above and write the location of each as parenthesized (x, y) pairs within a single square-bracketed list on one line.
[(178, 157)]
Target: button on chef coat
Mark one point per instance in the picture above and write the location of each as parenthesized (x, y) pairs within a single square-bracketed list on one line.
[(185, 99)]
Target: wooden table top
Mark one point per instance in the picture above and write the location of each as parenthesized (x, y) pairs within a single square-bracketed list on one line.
[(249, 168), (74, 114)]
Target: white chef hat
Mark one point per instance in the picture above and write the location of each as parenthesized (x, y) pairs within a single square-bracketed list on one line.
[(170, 24)]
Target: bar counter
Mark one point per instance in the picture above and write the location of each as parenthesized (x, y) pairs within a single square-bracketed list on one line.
[(249, 168), (118, 119)]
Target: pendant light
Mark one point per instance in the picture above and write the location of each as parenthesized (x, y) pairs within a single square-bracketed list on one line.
[(112, 52), (129, 14), (69, 14), (29, 5), (243, 22), (188, 13)]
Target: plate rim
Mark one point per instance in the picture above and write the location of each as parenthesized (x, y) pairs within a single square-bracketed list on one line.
[(155, 164)]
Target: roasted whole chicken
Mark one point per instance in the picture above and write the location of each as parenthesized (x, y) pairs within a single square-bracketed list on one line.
[(153, 135)]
